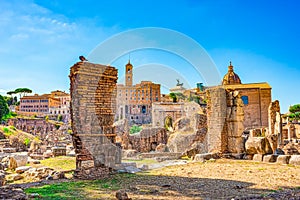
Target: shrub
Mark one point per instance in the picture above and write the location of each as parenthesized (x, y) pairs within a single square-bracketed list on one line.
[(59, 118), (57, 126), (27, 141), (6, 130), (135, 129)]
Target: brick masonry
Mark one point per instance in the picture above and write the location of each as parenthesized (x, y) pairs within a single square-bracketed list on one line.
[(93, 103)]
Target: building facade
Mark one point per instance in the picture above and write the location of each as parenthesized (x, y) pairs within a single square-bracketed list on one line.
[(64, 107), (56, 103), (134, 102), (38, 104), (256, 98)]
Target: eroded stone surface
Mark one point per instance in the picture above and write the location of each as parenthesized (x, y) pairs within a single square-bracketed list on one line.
[(283, 159), (93, 94)]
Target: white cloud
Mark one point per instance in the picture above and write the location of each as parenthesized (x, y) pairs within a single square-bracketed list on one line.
[(3, 92), (38, 46)]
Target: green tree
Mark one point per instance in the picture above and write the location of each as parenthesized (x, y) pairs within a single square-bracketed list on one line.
[(294, 112), (295, 108), (173, 96), (11, 95), (3, 108), (9, 100), (22, 91)]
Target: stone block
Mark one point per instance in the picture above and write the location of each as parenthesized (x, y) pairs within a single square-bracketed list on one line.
[(283, 159), (59, 151), (9, 150), (17, 160), (270, 158), (17, 177), (295, 160), (248, 157), (2, 179), (258, 157), (205, 156), (22, 169), (258, 145)]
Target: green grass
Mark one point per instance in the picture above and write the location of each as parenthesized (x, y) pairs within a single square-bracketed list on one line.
[(61, 163), (82, 189), (7, 131)]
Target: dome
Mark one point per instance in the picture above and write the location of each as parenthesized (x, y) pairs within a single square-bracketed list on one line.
[(231, 78)]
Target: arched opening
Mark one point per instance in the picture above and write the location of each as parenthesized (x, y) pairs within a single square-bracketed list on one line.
[(168, 123), (153, 146)]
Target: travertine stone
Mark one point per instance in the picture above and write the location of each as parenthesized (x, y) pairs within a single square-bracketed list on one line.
[(93, 92), (225, 118), (295, 160), (270, 158), (216, 120), (283, 159), (148, 139), (258, 157)]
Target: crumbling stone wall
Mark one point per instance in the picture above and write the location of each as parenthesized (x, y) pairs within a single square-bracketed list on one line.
[(33, 126), (235, 121), (148, 139), (163, 110), (225, 118), (93, 102)]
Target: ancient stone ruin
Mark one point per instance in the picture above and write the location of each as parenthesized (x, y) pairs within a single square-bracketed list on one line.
[(93, 94), (225, 117)]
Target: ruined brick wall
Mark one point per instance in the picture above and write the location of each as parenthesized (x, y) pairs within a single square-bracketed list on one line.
[(161, 110), (93, 101), (148, 139), (33, 126)]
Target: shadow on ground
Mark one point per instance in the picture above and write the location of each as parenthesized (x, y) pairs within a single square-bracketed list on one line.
[(144, 186)]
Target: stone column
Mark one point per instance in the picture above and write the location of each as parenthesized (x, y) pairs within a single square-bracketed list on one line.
[(216, 120)]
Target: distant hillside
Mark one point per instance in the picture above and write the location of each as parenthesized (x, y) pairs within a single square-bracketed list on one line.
[(18, 139)]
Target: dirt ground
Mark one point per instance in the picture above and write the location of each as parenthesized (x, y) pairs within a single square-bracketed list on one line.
[(219, 179)]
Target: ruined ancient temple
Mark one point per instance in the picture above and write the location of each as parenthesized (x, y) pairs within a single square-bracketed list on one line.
[(93, 102)]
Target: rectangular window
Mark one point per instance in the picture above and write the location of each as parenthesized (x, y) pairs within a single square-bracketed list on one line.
[(245, 100)]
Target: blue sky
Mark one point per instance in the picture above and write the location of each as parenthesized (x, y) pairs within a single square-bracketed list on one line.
[(40, 40)]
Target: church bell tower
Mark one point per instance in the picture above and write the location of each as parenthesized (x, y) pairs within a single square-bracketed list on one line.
[(128, 74)]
